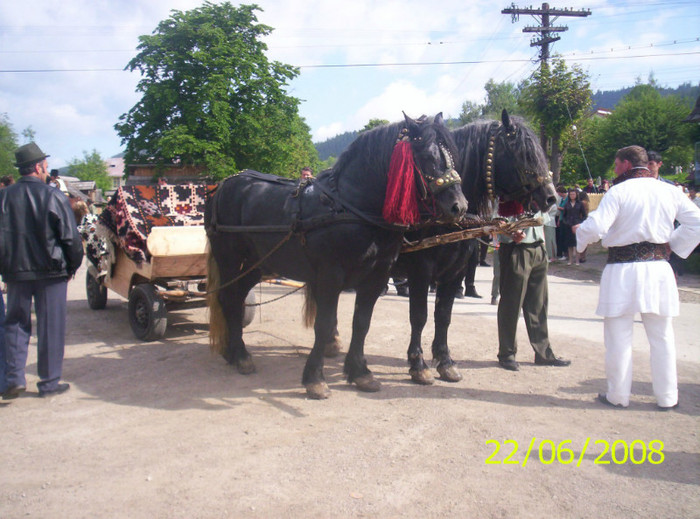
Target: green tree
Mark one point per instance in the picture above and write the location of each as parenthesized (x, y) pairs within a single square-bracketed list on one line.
[(556, 97), (373, 123), (211, 97), (92, 167), (500, 96), (471, 112), (8, 145), (645, 118)]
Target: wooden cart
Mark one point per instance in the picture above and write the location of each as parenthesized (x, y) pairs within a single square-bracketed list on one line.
[(175, 275)]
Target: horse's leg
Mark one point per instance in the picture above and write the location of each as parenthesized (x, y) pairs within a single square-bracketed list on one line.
[(355, 367), (232, 301), (418, 284), (334, 347), (444, 299), (325, 327)]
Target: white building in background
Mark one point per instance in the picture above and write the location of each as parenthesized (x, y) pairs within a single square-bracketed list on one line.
[(115, 171)]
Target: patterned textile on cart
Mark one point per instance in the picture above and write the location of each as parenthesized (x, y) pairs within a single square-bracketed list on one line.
[(97, 248), (134, 210)]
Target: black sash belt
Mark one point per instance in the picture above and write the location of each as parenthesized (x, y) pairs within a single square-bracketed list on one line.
[(642, 251)]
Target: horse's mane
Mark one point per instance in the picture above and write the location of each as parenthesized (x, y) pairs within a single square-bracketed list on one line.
[(370, 148), (472, 144), (373, 147)]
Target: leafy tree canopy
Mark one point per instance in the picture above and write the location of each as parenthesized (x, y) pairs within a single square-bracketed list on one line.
[(8, 145), (556, 97), (210, 96), (373, 123), (646, 118), (91, 167), (498, 96)]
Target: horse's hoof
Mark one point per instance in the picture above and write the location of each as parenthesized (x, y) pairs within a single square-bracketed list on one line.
[(449, 373), (423, 377), (368, 383), (245, 366), (318, 391), (333, 349)]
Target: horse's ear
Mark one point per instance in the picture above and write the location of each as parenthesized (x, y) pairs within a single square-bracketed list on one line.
[(505, 118), (439, 119), (411, 125)]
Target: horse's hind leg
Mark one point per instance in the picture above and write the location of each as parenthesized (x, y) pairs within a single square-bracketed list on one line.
[(418, 284), (444, 300), (325, 327), (355, 367), (232, 301), (335, 346)]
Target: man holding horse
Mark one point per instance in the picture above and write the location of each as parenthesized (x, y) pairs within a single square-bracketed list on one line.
[(40, 248), (523, 266)]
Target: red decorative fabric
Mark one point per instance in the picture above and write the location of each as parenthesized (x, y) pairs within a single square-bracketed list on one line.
[(134, 210), (510, 208), (401, 200)]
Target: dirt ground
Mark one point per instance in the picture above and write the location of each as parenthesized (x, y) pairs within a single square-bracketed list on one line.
[(167, 430)]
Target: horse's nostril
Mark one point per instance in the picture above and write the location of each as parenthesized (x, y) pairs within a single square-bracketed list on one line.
[(458, 209)]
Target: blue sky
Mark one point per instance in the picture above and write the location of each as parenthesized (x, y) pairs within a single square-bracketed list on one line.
[(61, 62)]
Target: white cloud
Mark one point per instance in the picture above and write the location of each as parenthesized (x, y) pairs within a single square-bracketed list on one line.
[(72, 112)]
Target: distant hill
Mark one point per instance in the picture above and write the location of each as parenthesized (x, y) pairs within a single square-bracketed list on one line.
[(335, 145), (609, 98), (601, 99)]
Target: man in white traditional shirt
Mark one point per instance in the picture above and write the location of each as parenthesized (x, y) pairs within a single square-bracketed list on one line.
[(635, 221)]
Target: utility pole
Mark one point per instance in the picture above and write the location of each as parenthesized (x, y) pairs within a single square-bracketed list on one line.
[(545, 16)]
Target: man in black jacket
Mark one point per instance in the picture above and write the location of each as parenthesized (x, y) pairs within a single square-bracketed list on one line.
[(40, 249)]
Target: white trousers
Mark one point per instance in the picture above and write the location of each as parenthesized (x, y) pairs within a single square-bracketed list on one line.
[(618, 358)]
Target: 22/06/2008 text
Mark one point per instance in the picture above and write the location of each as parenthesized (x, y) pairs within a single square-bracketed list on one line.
[(620, 452)]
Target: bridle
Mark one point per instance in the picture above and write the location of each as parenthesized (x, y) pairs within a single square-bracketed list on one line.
[(429, 184), (529, 180)]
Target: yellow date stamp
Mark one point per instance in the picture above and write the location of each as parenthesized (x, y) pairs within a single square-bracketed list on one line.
[(547, 452)]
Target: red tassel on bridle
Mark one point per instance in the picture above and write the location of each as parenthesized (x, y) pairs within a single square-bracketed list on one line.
[(510, 208), (401, 200)]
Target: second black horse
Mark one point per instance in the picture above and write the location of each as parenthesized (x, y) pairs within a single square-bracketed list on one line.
[(499, 160)]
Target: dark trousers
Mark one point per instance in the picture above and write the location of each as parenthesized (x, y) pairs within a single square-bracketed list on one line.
[(50, 306), (3, 384), (523, 286)]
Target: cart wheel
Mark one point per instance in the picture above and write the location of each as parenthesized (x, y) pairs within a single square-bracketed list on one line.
[(147, 313), (96, 292), (249, 311)]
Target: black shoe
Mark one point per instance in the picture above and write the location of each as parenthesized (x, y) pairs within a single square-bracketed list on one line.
[(494, 300), (459, 294), (603, 399), (556, 361), (13, 392), (61, 388), (471, 292), (509, 364), (483, 264), (669, 408)]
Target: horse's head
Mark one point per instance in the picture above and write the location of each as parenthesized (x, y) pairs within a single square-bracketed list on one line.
[(438, 182), (519, 170), (505, 161)]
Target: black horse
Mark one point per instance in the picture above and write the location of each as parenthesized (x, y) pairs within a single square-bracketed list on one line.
[(499, 160), (329, 233)]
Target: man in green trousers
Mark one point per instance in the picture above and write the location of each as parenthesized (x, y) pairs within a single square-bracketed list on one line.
[(523, 262)]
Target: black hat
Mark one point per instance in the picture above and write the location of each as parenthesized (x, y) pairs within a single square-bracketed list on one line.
[(29, 154)]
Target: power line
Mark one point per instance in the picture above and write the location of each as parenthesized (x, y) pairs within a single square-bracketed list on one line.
[(381, 65)]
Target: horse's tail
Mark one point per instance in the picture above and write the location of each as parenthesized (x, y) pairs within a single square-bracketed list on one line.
[(218, 331), (309, 307)]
